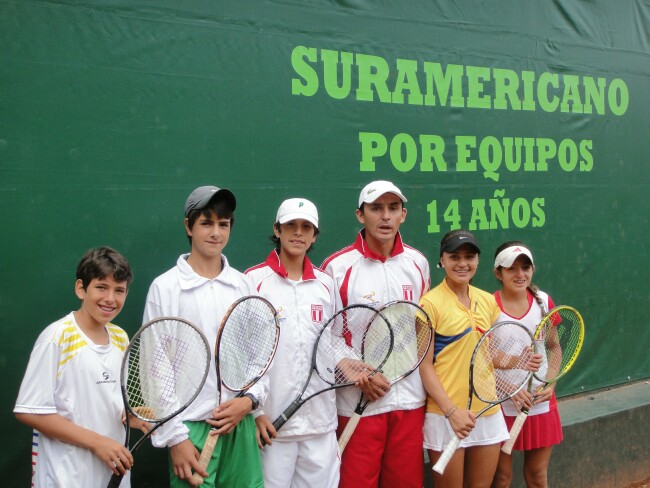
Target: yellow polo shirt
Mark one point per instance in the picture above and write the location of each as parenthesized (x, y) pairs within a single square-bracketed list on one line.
[(457, 331)]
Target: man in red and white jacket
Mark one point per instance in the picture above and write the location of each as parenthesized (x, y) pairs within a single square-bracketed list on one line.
[(376, 269)]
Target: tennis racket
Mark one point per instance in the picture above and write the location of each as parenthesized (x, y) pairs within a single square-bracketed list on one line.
[(246, 343), (163, 370), (560, 335), (356, 341), (412, 333), (498, 369)]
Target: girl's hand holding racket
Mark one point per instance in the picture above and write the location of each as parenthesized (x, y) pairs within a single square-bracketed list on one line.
[(543, 394), (462, 422), (560, 335), (498, 370)]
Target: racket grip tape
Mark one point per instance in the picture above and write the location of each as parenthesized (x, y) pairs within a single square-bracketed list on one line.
[(115, 481), (206, 455), (446, 455), (514, 431), (348, 431), (286, 415)]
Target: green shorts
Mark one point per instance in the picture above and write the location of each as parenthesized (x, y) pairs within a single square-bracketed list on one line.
[(235, 461)]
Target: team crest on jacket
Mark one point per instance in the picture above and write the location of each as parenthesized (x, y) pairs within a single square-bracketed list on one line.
[(317, 313), (408, 292)]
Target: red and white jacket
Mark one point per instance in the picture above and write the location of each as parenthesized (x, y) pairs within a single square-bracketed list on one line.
[(362, 276), (303, 308)]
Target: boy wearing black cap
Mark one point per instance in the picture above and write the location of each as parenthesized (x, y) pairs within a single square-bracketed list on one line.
[(376, 269), (459, 314), (201, 288)]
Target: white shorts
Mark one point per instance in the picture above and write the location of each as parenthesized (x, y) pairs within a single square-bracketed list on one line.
[(307, 461), (438, 432)]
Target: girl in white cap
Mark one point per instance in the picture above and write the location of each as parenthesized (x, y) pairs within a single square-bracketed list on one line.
[(520, 300)]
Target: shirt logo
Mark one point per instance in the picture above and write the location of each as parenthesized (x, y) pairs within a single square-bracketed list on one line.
[(317, 313), (408, 292), (106, 378), (370, 297), (280, 316)]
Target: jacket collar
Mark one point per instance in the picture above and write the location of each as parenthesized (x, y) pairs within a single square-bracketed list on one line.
[(273, 262), (362, 246)]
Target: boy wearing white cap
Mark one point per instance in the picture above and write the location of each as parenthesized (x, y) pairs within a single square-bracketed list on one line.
[(304, 452), (201, 288), (376, 269)]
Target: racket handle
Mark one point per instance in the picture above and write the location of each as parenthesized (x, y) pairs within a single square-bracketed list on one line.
[(286, 415), (348, 431), (206, 455), (446, 455), (514, 431), (115, 481)]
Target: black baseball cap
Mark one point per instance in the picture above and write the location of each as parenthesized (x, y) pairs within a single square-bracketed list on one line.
[(460, 239), (202, 195)]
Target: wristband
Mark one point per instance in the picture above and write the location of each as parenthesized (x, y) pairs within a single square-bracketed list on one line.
[(453, 409)]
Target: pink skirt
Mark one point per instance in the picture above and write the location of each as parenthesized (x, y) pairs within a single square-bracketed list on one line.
[(541, 430)]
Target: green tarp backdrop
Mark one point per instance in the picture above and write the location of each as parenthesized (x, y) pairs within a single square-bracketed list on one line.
[(515, 119)]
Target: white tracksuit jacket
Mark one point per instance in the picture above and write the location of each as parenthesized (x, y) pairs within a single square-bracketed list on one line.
[(361, 276), (303, 308), (182, 293)]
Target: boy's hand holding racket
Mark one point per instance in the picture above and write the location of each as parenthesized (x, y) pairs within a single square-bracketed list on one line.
[(228, 414)]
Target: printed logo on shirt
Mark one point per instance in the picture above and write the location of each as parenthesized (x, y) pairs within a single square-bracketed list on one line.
[(106, 378), (317, 313), (370, 298), (281, 317), (408, 292)]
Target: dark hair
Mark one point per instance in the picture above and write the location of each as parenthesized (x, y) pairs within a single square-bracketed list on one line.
[(275, 240), (101, 262), (218, 206), (533, 289)]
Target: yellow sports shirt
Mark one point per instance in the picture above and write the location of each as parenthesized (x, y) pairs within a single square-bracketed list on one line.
[(457, 331)]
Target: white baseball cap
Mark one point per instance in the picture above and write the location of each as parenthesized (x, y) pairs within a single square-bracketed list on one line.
[(506, 257), (372, 191), (297, 208)]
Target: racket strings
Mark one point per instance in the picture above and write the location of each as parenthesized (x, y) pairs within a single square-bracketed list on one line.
[(412, 336), (164, 368), (500, 363), (562, 336), (355, 343), (247, 342)]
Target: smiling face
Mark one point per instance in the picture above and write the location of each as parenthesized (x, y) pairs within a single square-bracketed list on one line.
[(210, 235), (518, 277), (460, 265), (381, 220), (101, 301), (296, 237)]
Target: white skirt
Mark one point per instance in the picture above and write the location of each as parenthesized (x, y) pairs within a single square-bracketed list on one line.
[(488, 430)]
